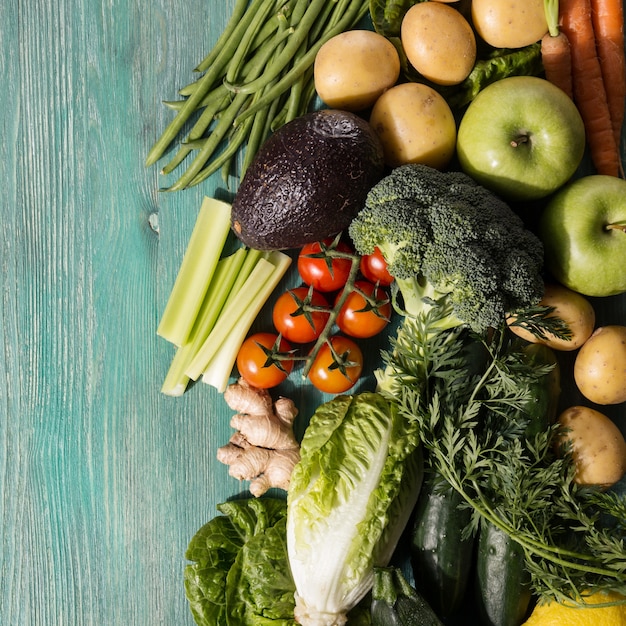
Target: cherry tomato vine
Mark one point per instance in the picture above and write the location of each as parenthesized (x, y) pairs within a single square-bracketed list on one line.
[(306, 314)]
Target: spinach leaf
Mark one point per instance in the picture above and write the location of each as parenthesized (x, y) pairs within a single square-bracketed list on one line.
[(239, 572)]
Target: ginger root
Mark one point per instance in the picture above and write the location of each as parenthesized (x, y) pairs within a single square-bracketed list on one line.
[(264, 449)]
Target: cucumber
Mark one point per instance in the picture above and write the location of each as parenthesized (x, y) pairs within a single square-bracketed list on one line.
[(441, 558), (396, 603), (502, 582), (546, 390)]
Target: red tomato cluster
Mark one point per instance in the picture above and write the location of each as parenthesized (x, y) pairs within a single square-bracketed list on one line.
[(301, 314)]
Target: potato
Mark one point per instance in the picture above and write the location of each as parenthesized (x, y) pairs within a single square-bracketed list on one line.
[(509, 23), (570, 306), (597, 445), (600, 366), (415, 125), (438, 42), (352, 69)]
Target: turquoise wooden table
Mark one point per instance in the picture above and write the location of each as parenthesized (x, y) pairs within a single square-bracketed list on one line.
[(103, 480)]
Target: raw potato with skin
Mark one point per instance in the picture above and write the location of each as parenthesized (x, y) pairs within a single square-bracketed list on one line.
[(509, 23), (600, 366), (597, 445), (438, 42), (415, 125), (354, 68), (571, 307)]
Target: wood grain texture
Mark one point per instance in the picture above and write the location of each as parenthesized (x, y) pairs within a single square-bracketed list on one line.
[(103, 480)]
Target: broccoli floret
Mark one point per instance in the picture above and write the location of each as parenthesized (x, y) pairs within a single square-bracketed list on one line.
[(448, 240)]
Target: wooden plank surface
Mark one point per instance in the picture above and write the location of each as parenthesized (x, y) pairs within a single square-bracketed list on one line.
[(103, 480)]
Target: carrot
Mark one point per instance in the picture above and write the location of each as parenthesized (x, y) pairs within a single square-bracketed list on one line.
[(556, 56), (608, 24), (588, 86)]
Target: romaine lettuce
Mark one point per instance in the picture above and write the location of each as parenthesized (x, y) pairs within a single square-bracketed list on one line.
[(349, 500)]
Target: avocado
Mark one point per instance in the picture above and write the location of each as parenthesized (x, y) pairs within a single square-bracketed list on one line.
[(307, 181)]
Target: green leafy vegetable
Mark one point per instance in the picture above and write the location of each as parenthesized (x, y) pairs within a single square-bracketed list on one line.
[(239, 573), (349, 500), (462, 261)]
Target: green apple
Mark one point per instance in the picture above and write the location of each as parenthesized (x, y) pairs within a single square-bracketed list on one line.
[(583, 230), (521, 137)]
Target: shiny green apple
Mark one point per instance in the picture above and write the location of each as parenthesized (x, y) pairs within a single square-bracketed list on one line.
[(583, 230), (521, 137)]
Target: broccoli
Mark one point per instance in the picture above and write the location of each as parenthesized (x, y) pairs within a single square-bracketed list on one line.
[(450, 242)]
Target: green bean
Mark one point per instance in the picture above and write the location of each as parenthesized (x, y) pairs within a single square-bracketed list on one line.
[(257, 77), (204, 121), (326, 20), (246, 41), (224, 124), (217, 94), (187, 90), (298, 37), (211, 144), (238, 11), (357, 10), (258, 134), (259, 128), (237, 139), (205, 83)]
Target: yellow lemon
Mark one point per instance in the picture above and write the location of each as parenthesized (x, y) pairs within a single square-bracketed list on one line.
[(556, 614)]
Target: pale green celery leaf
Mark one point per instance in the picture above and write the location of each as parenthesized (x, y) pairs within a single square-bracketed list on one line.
[(214, 551), (349, 500)]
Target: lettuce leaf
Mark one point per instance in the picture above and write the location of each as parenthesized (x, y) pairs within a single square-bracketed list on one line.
[(349, 500)]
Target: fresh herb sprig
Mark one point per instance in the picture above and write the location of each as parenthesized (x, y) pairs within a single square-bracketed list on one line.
[(473, 420)]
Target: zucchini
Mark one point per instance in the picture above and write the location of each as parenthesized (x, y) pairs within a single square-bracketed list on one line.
[(396, 603), (441, 556), (502, 582)]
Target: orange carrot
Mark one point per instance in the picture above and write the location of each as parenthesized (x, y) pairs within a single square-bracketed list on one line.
[(588, 86), (608, 24), (556, 56)]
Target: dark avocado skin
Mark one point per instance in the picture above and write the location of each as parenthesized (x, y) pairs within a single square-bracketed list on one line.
[(307, 181)]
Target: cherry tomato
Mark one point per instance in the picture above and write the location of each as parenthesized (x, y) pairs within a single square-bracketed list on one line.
[(257, 362), (338, 369), (293, 317), (324, 273), (374, 268), (360, 318)]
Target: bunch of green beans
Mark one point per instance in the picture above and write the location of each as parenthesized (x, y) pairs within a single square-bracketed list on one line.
[(257, 77)]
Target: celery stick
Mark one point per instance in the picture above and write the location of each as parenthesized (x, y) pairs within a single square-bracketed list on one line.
[(242, 309), (194, 276), (220, 367), (223, 283), (251, 260), (229, 317)]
